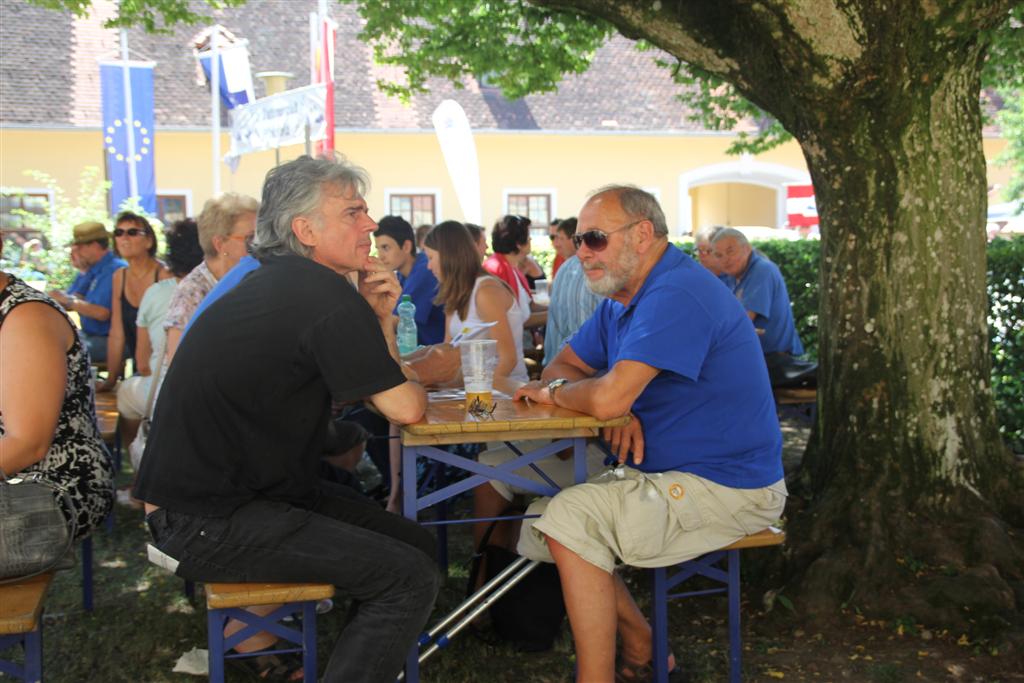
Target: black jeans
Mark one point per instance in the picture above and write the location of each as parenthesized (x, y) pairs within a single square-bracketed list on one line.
[(383, 561)]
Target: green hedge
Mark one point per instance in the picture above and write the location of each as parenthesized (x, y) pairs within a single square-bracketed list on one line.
[(798, 262), (1006, 334)]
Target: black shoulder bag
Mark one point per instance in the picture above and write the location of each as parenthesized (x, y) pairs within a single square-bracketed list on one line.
[(34, 535), (530, 615)]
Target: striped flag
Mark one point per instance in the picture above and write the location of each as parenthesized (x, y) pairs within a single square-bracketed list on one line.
[(801, 209), (322, 34)]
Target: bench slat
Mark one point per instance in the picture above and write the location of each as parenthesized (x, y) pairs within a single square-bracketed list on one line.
[(221, 595), (21, 604), (766, 537)]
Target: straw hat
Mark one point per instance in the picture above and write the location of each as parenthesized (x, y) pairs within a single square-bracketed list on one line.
[(90, 231)]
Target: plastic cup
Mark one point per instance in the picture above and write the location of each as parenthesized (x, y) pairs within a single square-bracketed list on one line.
[(541, 294), (479, 358)]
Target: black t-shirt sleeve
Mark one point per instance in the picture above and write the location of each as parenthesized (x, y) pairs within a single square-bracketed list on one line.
[(349, 348)]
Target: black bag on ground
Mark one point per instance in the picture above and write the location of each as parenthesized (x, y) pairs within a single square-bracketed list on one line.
[(530, 615)]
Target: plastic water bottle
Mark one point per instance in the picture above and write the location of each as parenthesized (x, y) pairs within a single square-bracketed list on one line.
[(407, 339)]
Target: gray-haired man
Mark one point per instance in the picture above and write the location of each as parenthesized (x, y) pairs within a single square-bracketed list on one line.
[(229, 474)]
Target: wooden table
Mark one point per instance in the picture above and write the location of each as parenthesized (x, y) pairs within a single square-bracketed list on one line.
[(446, 422)]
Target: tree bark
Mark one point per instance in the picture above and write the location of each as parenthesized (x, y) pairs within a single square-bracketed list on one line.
[(907, 459)]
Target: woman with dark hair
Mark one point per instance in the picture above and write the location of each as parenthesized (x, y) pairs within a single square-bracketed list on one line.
[(47, 415), (135, 242), (183, 254), (471, 297)]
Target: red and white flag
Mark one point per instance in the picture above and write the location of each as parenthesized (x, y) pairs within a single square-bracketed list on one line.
[(801, 209), (322, 33)]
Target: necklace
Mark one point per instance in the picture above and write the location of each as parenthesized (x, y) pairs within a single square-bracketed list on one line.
[(141, 275)]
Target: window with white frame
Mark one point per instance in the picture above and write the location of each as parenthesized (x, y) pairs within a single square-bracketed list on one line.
[(537, 206), (171, 207), (419, 208), (14, 204)]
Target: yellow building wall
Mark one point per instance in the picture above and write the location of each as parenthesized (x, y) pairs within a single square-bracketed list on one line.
[(731, 204), (568, 165)]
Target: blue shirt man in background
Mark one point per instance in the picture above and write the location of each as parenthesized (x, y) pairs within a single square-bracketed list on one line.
[(702, 454), (572, 303), (91, 292), (759, 286), (396, 248)]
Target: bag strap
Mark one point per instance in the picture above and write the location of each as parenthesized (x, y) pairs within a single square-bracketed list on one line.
[(152, 387), (490, 527), (72, 525)]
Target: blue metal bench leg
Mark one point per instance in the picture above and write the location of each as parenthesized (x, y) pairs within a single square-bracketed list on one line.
[(215, 634), (87, 573), (34, 656), (309, 641), (659, 624), (735, 642)]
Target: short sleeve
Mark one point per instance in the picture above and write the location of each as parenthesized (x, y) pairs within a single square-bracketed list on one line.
[(590, 342), (349, 348), (148, 306), (671, 331)]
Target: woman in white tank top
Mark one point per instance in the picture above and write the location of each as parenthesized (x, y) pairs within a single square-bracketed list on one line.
[(470, 296)]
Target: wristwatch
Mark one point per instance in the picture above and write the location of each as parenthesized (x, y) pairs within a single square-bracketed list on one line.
[(555, 384)]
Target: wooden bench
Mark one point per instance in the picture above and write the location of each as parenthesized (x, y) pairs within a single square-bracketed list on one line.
[(21, 606), (706, 565), (226, 601)]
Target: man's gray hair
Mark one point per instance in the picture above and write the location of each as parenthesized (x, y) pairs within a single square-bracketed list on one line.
[(295, 189), (740, 238), (637, 203), (707, 234)]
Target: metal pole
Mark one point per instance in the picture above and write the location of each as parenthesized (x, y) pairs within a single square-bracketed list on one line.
[(215, 105), (129, 118)]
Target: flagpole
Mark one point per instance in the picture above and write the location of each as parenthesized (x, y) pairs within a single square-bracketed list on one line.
[(215, 105), (129, 122)]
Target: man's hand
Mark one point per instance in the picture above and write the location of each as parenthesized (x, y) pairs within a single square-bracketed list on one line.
[(534, 391), (379, 286), (436, 365), (61, 298), (629, 437)]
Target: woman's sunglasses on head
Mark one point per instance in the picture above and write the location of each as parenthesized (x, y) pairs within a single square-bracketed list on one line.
[(597, 240), (131, 232)]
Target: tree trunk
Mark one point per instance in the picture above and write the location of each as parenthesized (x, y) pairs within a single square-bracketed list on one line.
[(907, 459), (908, 456)]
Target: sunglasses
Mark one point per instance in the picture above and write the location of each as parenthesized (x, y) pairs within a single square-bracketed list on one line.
[(597, 240), (131, 232)]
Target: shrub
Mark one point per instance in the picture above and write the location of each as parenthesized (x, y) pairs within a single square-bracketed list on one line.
[(1006, 335)]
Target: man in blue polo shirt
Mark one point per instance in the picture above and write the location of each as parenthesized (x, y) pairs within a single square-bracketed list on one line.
[(90, 293), (701, 459), (396, 248), (760, 287)]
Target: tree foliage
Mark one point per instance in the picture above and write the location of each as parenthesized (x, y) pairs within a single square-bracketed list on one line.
[(155, 16)]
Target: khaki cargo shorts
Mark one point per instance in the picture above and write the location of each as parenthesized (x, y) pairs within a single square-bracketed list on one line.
[(558, 470), (648, 519)]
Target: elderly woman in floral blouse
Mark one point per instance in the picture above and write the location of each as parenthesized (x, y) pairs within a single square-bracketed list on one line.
[(226, 228)]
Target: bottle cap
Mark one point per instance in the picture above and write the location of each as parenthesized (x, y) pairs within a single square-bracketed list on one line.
[(406, 297)]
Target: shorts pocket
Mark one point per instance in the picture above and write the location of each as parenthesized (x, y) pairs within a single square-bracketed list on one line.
[(643, 524)]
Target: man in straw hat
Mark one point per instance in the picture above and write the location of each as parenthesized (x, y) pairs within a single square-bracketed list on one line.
[(89, 295)]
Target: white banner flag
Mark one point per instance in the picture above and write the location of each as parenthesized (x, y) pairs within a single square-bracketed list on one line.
[(278, 120)]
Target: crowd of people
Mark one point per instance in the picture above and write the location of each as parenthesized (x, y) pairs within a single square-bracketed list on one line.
[(269, 327)]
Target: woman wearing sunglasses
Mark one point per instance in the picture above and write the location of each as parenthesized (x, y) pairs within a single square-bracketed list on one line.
[(226, 228), (135, 242)]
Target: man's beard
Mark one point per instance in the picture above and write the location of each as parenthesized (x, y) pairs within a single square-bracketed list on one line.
[(616, 275)]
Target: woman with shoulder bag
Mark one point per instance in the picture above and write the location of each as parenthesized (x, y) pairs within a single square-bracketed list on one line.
[(48, 431)]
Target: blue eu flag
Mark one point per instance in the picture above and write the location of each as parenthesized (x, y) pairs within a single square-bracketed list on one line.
[(124, 117)]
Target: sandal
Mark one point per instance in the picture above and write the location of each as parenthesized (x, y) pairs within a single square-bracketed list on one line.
[(277, 667), (643, 673)]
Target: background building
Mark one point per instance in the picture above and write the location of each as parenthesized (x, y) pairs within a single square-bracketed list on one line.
[(619, 122)]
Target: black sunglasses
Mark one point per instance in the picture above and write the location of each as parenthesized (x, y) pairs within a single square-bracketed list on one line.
[(597, 240), (131, 232)]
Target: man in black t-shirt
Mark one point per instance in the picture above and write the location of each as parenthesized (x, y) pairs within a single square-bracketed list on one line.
[(229, 474)]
